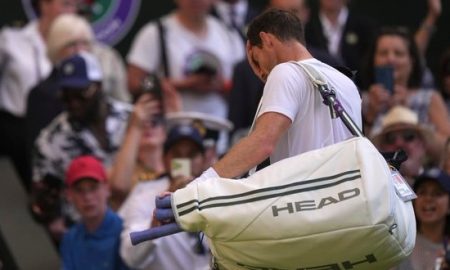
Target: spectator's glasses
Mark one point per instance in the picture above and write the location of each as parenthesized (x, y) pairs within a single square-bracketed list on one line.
[(407, 136)]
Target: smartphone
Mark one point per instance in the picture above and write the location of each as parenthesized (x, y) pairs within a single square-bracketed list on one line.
[(385, 75), (180, 167), (152, 84)]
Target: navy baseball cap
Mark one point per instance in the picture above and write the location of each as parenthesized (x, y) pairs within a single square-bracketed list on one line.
[(183, 131), (79, 71), (435, 174)]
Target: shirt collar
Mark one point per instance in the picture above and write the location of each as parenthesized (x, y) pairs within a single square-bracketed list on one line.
[(342, 18), (105, 228)]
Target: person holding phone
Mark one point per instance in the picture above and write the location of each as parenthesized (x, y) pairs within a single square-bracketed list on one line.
[(183, 160), (140, 157), (395, 47)]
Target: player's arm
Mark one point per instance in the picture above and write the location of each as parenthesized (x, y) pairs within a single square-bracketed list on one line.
[(254, 148)]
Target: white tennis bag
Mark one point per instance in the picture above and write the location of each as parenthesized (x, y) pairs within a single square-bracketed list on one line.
[(331, 208)]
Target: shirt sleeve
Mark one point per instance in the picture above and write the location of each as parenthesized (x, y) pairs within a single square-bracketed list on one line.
[(136, 213), (144, 51), (283, 91)]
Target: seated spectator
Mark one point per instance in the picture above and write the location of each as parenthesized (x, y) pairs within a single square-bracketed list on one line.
[(209, 126), (140, 157), (342, 32), (395, 47), (24, 64), (200, 54), (236, 14), (68, 35), (432, 208), (401, 130), (94, 242), (90, 124), (184, 149)]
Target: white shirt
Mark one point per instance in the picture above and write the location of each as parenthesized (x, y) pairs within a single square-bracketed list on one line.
[(174, 252), (23, 63), (288, 91), (181, 44), (334, 32)]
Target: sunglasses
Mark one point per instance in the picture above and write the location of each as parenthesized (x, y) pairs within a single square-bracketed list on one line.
[(406, 135)]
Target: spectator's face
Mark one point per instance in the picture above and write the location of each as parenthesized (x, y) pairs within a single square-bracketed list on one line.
[(432, 203), (393, 50), (412, 143), (81, 103), (89, 197), (185, 148), (154, 134)]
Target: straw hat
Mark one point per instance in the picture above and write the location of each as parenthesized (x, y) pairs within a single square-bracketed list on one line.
[(401, 118)]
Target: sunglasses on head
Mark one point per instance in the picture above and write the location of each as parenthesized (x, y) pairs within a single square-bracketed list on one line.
[(406, 135)]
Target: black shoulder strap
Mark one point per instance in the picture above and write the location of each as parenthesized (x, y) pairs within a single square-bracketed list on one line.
[(162, 46)]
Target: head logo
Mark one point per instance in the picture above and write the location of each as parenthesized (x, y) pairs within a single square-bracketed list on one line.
[(110, 19)]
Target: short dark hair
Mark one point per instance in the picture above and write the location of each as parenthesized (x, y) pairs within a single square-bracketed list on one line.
[(415, 78), (283, 24)]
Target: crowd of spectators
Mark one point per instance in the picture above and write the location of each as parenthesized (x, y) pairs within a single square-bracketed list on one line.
[(95, 136)]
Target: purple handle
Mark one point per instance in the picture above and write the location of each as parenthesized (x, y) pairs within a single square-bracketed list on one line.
[(164, 215), (163, 202), (153, 233)]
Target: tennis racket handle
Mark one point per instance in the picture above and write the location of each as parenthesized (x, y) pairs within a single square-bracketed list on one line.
[(153, 233)]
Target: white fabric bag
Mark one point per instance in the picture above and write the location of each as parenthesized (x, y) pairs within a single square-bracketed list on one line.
[(331, 208)]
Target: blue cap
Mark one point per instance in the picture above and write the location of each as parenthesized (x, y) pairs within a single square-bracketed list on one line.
[(434, 174), (79, 71), (180, 132)]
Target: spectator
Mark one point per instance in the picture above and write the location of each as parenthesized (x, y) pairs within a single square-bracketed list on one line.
[(341, 32), (178, 251), (200, 52), (140, 158), (433, 224), (395, 47), (94, 242), (236, 14), (68, 35), (401, 130), (24, 64), (209, 127), (90, 124)]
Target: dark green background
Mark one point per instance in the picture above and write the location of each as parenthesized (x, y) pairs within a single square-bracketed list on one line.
[(385, 12)]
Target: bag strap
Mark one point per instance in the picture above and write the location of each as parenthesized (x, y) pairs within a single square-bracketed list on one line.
[(329, 97), (162, 46)]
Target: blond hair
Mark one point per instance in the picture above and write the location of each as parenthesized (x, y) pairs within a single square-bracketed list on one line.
[(67, 28)]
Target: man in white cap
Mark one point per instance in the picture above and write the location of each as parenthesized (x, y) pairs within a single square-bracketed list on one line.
[(401, 130)]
